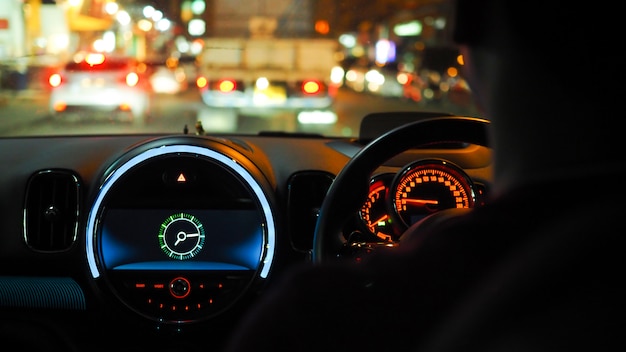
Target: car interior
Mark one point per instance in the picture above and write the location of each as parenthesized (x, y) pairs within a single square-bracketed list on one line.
[(170, 238), (158, 205)]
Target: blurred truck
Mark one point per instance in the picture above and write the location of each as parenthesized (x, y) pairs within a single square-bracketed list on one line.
[(262, 73)]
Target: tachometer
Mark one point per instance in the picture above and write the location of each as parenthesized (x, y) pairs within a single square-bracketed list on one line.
[(427, 186), (375, 213)]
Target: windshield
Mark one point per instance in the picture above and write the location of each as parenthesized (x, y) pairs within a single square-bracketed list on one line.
[(70, 67)]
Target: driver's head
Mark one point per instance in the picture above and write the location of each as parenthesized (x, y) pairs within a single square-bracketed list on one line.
[(558, 44), (545, 73)]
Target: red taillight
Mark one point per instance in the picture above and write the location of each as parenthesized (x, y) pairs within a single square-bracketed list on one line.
[(226, 86), (311, 87), (55, 80)]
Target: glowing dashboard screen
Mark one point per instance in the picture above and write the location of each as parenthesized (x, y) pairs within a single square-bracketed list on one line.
[(181, 239)]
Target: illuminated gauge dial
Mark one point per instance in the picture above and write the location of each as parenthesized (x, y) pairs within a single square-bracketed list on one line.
[(427, 186), (375, 213), (181, 236)]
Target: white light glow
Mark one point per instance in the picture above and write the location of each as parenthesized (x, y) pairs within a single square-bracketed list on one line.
[(262, 83), (373, 76), (385, 51), (157, 16), (148, 11), (196, 27), (111, 8), (108, 39), (336, 74), (198, 7), (123, 18), (317, 117), (163, 25)]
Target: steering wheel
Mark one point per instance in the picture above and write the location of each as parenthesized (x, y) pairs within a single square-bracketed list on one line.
[(349, 189)]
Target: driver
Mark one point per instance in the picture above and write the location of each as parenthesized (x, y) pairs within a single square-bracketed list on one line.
[(539, 266)]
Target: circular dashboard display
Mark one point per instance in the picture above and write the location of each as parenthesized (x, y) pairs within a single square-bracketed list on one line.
[(179, 233), (181, 236), (427, 186)]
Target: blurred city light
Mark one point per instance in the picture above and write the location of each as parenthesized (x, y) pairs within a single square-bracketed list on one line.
[(157, 16), (337, 74), (196, 27), (111, 8), (163, 25), (412, 28), (347, 40), (123, 18), (197, 7), (148, 11), (144, 25), (385, 51), (317, 117)]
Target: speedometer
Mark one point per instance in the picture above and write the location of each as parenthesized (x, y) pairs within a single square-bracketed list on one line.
[(427, 186)]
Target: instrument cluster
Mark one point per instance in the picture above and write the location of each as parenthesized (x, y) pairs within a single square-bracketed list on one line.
[(396, 201)]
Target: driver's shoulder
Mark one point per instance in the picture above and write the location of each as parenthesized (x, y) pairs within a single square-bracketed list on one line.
[(559, 277)]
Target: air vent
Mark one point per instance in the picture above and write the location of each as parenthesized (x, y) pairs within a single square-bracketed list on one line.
[(307, 191), (51, 210)]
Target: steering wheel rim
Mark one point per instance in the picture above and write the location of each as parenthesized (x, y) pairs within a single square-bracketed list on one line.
[(349, 189)]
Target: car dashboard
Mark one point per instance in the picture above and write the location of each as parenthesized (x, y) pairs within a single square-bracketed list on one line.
[(165, 241)]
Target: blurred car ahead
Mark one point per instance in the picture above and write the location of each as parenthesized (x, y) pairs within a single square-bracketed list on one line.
[(189, 66), (383, 81), (167, 80), (93, 83)]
